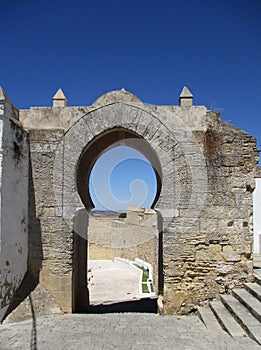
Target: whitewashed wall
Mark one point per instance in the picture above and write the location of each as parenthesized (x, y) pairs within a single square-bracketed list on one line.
[(13, 207), (257, 217)]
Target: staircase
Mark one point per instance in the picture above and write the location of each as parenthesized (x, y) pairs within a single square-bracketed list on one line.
[(239, 313)]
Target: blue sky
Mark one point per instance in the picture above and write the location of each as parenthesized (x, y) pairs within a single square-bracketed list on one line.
[(151, 48), (120, 178)]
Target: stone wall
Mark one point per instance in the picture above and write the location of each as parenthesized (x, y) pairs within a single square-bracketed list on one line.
[(215, 255), (205, 171), (50, 239), (128, 238)]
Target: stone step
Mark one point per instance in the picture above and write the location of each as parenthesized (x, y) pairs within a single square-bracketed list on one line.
[(258, 278), (250, 324), (209, 319), (226, 320), (249, 301), (247, 344), (254, 289)]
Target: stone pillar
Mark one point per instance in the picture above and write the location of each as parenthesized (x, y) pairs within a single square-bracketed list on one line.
[(80, 295)]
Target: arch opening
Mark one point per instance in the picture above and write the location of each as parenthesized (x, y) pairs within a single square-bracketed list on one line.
[(122, 177), (104, 142), (135, 236)]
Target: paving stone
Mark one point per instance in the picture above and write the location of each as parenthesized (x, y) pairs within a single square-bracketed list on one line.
[(117, 331)]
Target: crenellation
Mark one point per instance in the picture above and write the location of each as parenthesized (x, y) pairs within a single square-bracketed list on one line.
[(59, 99)]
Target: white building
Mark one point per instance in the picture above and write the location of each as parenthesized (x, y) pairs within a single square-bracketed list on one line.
[(257, 217)]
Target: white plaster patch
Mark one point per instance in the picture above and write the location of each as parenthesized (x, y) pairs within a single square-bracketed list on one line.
[(1, 162), (1, 134), (13, 209), (257, 217)]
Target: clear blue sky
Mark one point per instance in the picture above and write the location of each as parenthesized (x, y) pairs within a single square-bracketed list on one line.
[(151, 48), (120, 178)]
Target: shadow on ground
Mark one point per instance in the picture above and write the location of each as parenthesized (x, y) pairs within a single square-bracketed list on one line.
[(146, 305)]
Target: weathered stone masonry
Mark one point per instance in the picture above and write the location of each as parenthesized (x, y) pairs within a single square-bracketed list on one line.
[(205, 170)]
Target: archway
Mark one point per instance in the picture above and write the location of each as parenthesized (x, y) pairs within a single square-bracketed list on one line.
[(126, 124), (145, 237)]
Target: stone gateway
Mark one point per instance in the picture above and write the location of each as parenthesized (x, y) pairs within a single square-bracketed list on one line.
[(205, 170)]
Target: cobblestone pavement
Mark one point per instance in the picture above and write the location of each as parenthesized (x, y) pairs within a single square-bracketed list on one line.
[(116, 331)]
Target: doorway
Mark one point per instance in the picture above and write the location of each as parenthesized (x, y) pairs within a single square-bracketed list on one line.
[(115, 234)]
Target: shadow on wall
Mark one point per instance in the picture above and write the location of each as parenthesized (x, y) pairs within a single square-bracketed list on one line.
[(35, 252), (80, 294), (160, 254)]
